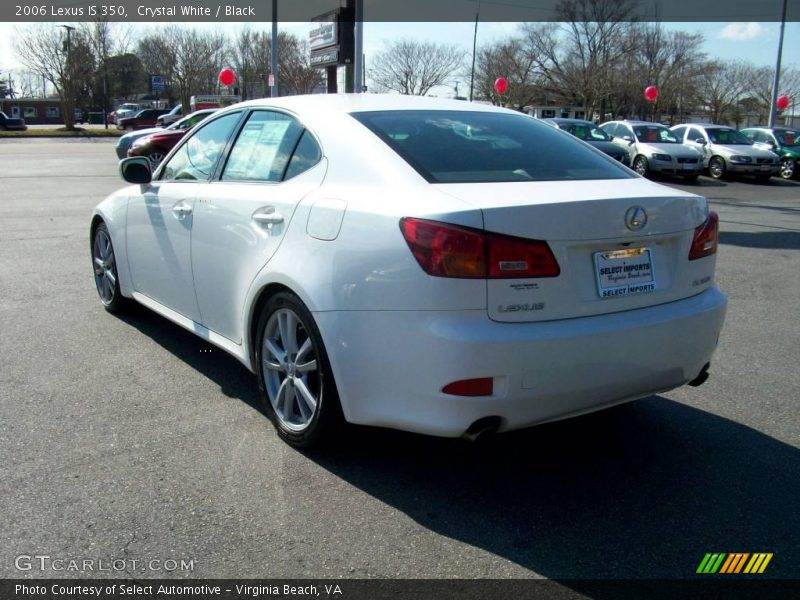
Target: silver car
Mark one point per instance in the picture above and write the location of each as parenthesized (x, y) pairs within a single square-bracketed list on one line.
[(655, 149), (726, 151)]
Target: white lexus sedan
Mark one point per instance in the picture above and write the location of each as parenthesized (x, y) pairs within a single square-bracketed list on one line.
[(429, 265)]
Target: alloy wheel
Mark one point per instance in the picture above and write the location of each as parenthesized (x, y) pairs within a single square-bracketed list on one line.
[(105, 268), (787, 168), (291, 371), (640, 166), (716, 168), (155, 159)]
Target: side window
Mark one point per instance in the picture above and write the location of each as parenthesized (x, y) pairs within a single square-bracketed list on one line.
[(263, 148), (305, 156), (623, 130), (610, 128), (196, 158), (695, 134), (750, 135), (680, 133)]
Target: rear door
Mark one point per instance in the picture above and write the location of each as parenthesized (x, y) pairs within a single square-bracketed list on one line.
[(242, 217)]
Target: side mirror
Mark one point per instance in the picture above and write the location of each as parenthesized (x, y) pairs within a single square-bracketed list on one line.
[(136, 170), (701, 141)]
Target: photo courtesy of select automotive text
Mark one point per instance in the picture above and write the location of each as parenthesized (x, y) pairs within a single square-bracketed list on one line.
[(382, 300)]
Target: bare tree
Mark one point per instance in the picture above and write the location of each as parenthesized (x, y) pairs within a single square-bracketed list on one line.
[(513, 59), (412, 67), (189, 61), (44, 49), (721, 86)]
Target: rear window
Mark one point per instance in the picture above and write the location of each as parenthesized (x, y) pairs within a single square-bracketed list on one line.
[(478, 147)]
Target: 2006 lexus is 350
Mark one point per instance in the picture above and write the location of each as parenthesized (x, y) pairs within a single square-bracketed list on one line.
[(430, 265)]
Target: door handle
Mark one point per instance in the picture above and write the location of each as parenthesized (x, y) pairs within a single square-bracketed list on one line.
[(181, 209), (267, 216)]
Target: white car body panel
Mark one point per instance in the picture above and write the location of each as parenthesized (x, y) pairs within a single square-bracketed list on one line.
[(341, 251)]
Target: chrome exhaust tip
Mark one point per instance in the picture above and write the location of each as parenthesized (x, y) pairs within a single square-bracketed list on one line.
[(481, 428)]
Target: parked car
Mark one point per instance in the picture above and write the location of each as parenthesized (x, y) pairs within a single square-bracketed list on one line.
[(77, 116), (9, 124), (175, 114), (727, 152), (593, 135), (128, 109), (156, 145), (144, 118), (424, 264), (783, 141), (127, 140), (655, 149)]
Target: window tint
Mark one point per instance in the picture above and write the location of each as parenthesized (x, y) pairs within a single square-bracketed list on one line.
[(750, 135), (196, 158), (610, 129), (588, 132), (679, 132), (477, 146), (788, 137), (305, 156), (263, 148), (654, 134), (726, 136)]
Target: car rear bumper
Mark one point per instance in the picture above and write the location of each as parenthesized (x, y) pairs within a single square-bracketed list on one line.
[(390, 367)]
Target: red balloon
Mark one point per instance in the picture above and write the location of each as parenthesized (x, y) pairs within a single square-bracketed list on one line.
[(501, 85), (651, 93), (227, 76), (782, 103)]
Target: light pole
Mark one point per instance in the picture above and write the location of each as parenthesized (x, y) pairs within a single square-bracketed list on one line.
[(68, 77), (474, 47), (274, 51), (776, 81)]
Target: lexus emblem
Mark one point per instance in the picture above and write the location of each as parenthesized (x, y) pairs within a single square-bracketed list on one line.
[(635, 218)]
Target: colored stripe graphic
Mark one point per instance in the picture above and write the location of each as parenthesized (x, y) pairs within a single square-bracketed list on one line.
[(711, 562), (758, 563), (724, 563)]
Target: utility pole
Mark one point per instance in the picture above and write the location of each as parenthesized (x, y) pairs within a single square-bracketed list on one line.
[(68, 87), (776, 81), (274, 51), (474, 48), (358, 54)]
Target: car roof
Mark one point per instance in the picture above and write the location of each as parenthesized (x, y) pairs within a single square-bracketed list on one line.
[(349, 103), (706, 125)]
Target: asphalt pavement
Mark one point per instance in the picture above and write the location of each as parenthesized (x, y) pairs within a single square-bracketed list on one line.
[(129, 438)]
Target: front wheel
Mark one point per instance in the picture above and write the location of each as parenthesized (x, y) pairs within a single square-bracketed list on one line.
[(294, 374), (787, 168), (640, 165), (716, 168), (155, 157), (105, 270)]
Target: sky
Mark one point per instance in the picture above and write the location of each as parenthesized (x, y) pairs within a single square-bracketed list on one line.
[(754, 42)]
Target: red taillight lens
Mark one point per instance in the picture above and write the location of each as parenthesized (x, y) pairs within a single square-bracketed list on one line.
[(706, 238), (445, 250), (470, 387)]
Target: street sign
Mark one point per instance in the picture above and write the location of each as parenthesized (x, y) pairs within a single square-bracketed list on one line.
[(156, 83)]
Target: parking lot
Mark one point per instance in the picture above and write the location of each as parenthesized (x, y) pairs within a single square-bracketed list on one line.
[(129, 438)]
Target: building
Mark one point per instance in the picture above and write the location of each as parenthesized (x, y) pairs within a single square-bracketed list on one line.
[(35, 111)]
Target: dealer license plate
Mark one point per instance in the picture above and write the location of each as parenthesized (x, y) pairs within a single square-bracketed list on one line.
[(624, 272)]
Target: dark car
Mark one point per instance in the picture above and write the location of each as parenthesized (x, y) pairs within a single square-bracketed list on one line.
[(157, 145), (144, 118), (593, 135), (9, 124), (783, 141)]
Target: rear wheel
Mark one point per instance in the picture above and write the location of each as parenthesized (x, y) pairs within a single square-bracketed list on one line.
[(105, 270), (787, 168), (294, 375), (716, 168), (640, 165)]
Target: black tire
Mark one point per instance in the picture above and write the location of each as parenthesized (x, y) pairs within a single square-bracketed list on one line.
[(292, 421), (109, 294), (788, 168), (717, 168), (691, 176), (640, 165)]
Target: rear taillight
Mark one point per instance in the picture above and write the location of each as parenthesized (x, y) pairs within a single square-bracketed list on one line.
[(445, 250), (706, 238)]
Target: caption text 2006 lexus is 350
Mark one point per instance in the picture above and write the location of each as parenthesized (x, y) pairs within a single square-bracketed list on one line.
[(429, 265)]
